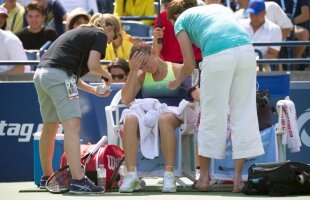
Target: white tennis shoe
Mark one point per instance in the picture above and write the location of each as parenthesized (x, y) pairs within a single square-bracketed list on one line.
[(131, 183), (169, 183)]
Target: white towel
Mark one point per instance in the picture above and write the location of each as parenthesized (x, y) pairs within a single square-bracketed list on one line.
[(148, 111), (288, 118)]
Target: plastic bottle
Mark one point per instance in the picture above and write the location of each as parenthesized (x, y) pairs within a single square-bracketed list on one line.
[(101, 175), (122, 173)]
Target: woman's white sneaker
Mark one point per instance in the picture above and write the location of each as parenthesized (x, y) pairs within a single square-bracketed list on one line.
[(169, 182), (131, 183)]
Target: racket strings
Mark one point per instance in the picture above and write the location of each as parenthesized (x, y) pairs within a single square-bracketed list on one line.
[(60, 182), (195, 76)]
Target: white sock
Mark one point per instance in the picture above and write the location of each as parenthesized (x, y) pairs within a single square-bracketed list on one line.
[(132, 174), (168, 174)]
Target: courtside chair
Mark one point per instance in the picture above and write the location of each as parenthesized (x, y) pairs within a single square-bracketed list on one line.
[(36, 54), (185, 163), (32, 54), (44, 47), (136, 28), (279, 86)]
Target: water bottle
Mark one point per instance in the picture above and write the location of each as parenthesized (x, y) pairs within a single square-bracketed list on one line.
[(101, 175), (122, 173)]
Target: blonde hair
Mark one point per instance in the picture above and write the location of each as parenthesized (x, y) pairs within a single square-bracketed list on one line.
[(138, 46), (176, 7), (101, 21)]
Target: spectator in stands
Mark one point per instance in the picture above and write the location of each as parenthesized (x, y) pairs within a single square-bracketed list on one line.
[(77, 17), (89, 5), (55, 15), (135, 8), (119, 48), (35, 35), (11, 48), (57, 78), (16, 12), (169, 49), (3, 16), (299, 10), (261, 29), (119, 69), (149, 73), (228, 82), (274, 13)]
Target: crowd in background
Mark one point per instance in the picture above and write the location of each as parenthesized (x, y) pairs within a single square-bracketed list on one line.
[(30, 24)]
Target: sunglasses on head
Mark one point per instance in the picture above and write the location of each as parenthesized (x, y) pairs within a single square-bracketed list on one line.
[(118, 76)]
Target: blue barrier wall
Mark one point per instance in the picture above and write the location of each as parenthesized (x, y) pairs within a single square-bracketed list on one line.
[(300, 95), (20, 118)]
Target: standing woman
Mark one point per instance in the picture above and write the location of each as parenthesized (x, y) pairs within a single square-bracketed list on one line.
[(228, 81), (57, 78)]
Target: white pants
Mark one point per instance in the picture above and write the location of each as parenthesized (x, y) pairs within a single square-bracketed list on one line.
[(228, 81)]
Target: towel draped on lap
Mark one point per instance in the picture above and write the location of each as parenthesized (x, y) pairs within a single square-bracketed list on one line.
[(148, 111)]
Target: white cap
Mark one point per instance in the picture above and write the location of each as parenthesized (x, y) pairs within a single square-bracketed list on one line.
[(3, 11)]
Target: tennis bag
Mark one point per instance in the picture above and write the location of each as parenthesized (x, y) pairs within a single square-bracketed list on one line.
[(278, 179), (109, 155), (265, 109)]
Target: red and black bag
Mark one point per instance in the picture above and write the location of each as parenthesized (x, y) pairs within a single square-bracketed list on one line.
[(109, 155)]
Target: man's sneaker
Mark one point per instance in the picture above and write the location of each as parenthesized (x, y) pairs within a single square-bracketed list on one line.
[(43, 181), (131, 183), (85, 186), (169, 182)]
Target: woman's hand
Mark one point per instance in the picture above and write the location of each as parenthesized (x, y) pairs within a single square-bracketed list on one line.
[(136, 61), (106, 76), (96, 92), (158, 32), (93, 89), (174, 84)]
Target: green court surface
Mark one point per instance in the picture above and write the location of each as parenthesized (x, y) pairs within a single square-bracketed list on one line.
[(152, 191)]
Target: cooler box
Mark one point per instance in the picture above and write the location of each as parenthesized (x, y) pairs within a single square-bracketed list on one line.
[(58, 151)]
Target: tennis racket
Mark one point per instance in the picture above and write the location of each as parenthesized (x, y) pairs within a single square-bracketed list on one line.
[(115, 175), (59, 181), (195, 80), (159, 40)]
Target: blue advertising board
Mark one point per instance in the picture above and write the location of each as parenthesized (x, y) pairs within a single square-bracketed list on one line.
[(20, 118), (223, 169), (300, 95)]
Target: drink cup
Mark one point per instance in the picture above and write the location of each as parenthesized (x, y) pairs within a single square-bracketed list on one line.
[(101, 89)]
